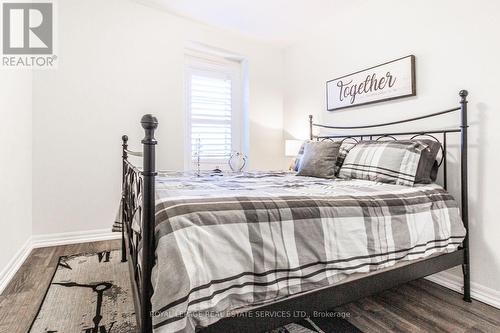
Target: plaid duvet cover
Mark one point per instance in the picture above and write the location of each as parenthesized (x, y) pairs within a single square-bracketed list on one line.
[(227, 242)]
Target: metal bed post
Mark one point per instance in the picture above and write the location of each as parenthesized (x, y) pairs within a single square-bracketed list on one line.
[(465, 193), (149, 123), (124, 170)]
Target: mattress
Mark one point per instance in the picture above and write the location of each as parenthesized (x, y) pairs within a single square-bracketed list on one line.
[(227, 243)]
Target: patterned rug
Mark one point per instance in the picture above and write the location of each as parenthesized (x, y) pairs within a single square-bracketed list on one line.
[(91, 293)]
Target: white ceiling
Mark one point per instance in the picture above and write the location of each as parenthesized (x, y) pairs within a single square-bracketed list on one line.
[(275, 21)]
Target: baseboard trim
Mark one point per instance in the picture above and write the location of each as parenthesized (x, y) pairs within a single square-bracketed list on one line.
[(478, 292), (14, 264), (73, 237), (37, 241)]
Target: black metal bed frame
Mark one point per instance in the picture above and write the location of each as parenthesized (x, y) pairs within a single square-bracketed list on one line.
[(299, 306)]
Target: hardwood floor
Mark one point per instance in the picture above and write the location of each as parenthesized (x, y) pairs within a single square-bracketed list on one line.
[(419, 306), (422, 306), (21, 299)]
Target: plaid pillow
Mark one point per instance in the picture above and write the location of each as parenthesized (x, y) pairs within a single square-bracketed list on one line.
[(296, 162), (343, 151), (393, 162)]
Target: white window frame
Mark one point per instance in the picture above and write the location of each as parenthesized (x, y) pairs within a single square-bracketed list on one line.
[(205, 64)]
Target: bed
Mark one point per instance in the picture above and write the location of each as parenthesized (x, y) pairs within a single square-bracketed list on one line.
[(225, 253)]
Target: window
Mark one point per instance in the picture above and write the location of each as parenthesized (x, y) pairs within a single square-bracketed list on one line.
[(214, 111)]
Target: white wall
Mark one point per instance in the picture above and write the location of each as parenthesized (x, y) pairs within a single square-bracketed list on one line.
[(119, 59), (15, 162), (455, 44)]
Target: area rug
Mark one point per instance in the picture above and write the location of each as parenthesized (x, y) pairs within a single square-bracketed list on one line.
[(91, 293)]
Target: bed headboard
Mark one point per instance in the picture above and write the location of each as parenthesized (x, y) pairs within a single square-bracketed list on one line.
[(442, 133)]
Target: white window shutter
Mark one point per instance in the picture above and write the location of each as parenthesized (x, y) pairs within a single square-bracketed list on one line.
[(210, 118), (214, 112)]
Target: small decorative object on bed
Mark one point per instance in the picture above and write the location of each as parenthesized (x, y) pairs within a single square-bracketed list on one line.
[(237, 161), (394, 79)]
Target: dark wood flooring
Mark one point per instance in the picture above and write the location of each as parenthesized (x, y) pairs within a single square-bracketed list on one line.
[(419, 306)]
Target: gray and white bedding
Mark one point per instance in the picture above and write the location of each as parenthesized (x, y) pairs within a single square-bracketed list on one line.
[(228, 242)]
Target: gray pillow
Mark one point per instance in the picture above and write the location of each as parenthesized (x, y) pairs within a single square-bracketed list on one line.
[(427, 166), (319, 159)]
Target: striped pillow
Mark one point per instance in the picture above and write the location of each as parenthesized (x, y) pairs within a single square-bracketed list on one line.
[(393, 162), (296, 162), (343, 151)]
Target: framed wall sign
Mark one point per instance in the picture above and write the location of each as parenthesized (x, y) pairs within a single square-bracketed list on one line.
[(394, 79)]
